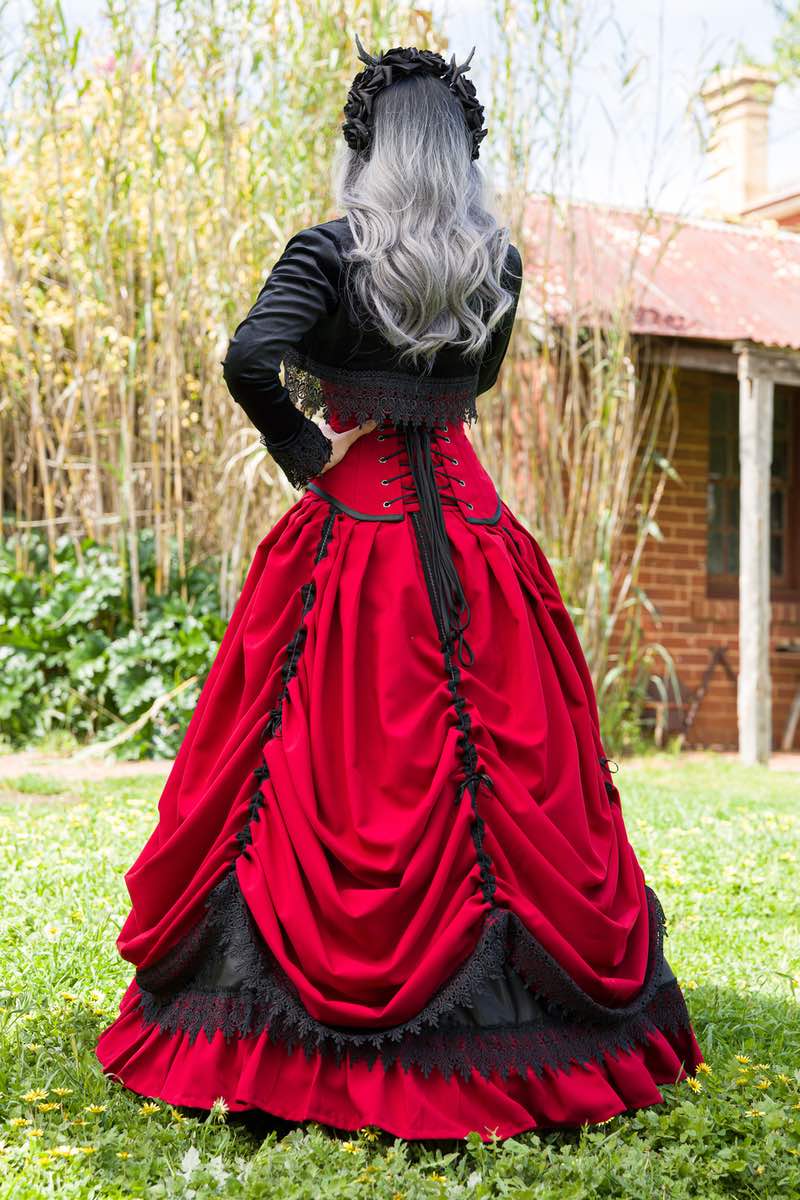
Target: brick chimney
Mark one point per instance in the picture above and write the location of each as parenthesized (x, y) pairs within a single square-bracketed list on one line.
[(737, 101)]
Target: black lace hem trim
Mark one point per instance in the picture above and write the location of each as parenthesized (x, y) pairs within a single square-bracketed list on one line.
[(225, 978), (304, 456), (377, 395)]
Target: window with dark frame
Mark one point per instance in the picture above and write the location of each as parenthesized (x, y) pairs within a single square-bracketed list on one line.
[(723, 487)]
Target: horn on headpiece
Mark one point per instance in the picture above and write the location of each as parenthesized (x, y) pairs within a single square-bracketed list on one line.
[(456, 71), (364, 56)]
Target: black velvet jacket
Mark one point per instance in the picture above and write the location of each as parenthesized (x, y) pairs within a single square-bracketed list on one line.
[(302, 318)]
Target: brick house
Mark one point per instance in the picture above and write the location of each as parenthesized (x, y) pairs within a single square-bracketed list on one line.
[(719, 297)]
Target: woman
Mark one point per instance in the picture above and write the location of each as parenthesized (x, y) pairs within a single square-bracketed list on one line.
[(390, 883)]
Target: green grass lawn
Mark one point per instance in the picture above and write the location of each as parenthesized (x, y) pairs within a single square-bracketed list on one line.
[(721, 846)]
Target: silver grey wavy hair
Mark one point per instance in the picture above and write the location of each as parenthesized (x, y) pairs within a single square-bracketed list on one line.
[(427, 256)]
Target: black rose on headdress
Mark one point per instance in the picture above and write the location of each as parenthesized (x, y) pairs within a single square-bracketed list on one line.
[(395, 64)]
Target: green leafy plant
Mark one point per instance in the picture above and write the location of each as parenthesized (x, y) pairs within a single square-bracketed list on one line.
[(72, 657)]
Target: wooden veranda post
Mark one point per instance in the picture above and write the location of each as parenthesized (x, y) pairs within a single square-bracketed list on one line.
[(754, 699)]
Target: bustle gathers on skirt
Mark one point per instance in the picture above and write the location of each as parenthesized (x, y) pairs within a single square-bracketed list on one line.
[(390, 882)]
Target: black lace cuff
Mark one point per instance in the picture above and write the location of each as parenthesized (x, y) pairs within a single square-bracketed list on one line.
[(304, 455)]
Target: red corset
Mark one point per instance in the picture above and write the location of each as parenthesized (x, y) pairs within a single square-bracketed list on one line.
[(375, 480)]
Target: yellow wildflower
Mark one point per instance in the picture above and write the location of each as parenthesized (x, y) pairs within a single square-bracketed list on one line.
[(36, 1133), (64, 1151), (79, 1121), (784, 1078), (33, 1046), (754, 1112), (219, 1109), (695, 1084), (34, 1094), (703, 1068), (88, 1149), (760, 1066), (763, 1084), (370, 1134), (148, 1109), (437, 1178), (68, 996), (17, 1122), (95, 1108), (176, 1116), (742, 1058), (48, 1107), (350, 1147), (690, 985), (61, 1091), (44, 1160), (123, 1154)]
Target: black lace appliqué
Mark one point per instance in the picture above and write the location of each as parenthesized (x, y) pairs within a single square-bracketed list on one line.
[(380, 395), (231, 982), (304, 456)]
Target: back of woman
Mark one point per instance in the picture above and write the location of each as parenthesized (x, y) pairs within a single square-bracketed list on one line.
[(390, 881)]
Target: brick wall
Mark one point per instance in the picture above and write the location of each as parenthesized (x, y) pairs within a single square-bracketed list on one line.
[(675, 578)]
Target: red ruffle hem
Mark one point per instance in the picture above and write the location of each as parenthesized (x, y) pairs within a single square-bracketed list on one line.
[(390, 882)]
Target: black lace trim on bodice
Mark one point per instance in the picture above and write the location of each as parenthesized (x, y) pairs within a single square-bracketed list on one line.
[(380, 395), (223, 977), (302, 458)]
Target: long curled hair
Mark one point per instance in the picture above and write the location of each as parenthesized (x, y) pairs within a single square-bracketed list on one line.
[(427, 255)]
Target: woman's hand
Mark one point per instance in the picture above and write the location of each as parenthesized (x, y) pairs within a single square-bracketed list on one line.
[(343, 441)]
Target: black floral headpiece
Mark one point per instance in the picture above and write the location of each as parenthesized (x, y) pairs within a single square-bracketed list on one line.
[(399, 63)]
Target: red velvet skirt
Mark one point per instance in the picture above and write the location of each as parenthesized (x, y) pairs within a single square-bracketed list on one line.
[(390, 882)]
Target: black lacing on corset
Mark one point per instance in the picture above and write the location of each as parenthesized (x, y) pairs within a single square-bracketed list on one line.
[(425, 465)]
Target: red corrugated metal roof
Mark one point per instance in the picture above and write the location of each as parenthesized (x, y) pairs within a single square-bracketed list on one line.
[(684, 277)]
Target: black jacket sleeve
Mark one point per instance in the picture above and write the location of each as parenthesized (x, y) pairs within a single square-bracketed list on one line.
[(501, 334), (301, 287)]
